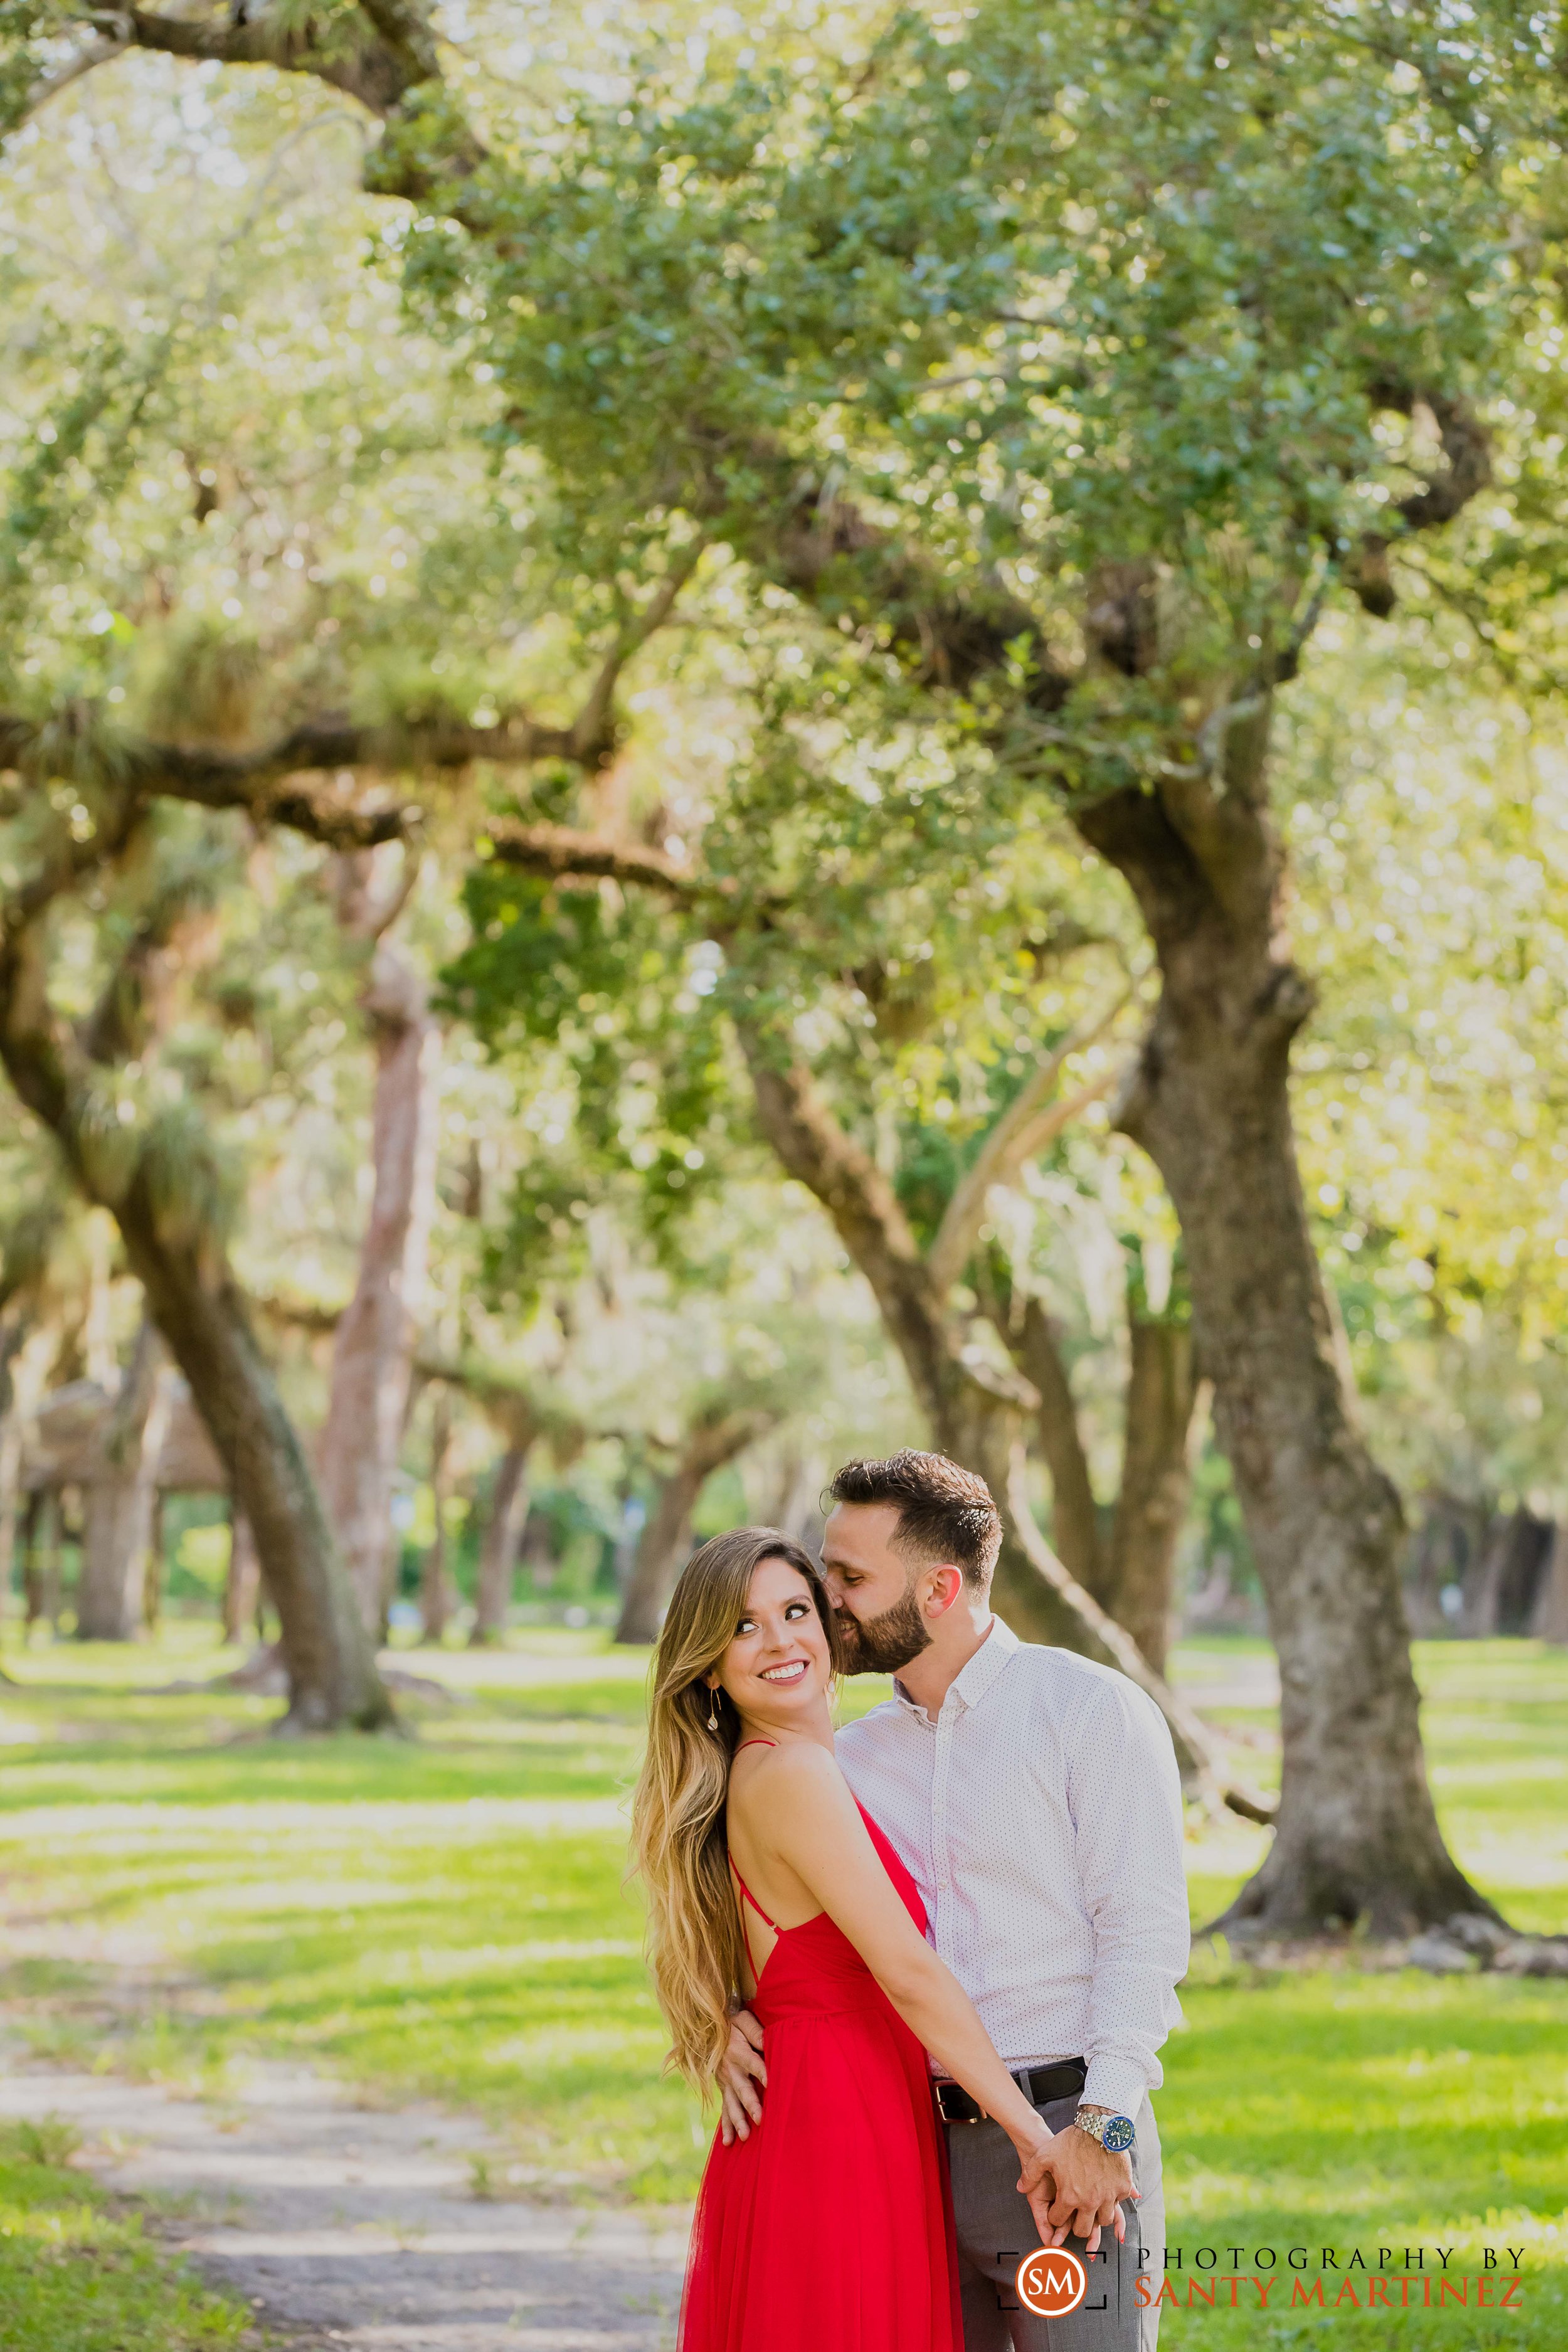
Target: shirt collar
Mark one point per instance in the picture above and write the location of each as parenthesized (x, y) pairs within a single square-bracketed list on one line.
[(970, 1685)]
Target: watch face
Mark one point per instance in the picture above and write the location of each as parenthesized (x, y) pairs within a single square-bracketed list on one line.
[(1119, 2134)]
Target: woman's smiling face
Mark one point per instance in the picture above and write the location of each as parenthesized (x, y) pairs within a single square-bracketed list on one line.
[(777, 1665)]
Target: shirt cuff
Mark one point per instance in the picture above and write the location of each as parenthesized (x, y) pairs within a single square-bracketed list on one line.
[(1115, 2082)]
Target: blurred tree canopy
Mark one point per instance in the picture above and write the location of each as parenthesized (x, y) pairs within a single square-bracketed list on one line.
[(889, 564)]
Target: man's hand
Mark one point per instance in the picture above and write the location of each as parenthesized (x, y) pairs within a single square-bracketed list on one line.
[(1089, 2184), (741, 2079)]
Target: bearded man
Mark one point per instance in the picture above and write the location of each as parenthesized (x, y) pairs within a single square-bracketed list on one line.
[(1034, 1798)]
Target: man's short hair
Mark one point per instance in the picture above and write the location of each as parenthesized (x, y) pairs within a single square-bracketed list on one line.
[(945, 1513)]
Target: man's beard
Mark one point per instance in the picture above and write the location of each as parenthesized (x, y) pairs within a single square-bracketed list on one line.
[(885, 1643)]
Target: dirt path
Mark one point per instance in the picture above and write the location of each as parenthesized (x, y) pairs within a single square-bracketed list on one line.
[(361, 2229)]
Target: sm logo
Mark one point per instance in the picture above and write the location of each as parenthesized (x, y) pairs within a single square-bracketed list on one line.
[(1051, 2281)]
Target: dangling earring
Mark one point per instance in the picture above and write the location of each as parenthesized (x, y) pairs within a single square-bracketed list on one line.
[(712, 1710)]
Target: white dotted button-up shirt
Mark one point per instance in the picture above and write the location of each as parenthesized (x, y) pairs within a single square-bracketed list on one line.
[(1040, 1816)]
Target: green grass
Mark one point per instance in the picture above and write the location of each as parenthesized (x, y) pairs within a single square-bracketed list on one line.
[(448, 1915), (77, 2277)]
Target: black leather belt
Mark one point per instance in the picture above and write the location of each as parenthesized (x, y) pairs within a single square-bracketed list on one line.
[(1039, 2085)]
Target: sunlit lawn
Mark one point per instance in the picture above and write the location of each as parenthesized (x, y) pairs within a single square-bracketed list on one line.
[(446, 1915), (77, 2275)]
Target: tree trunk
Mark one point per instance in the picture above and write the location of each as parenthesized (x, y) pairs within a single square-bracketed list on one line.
[(372, 1356), (1357, 1836), (663, 1549), (37, 1516), (1478, 1605), (1156, 1483), (1074, 1514), (180, 1261), (73, 1529), (1451, 1534), (978, 1429), (327, 1652), (1131, 1574), (152, 1581), (11, 1506), (796, 1501), (24, 1348), (43, 1593), (242, 1587), (435, 1594), (1201, 1762), (111, 1603), (1520, 1599), (1551, 1603), (666, 1541), (497, 1553)]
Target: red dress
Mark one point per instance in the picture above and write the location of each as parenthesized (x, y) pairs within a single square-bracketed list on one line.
[(830, 2229)]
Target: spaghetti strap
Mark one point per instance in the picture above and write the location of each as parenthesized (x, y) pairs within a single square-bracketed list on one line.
[(745, 1891), (747, 1896), (751, 1899)]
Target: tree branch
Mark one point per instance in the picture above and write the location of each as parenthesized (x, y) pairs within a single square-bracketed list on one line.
[(96, 53), (367, 912), (68, 858), (591, 732), (382, 55), (378, 70), (131, 1006), (240, 778), (511, 1399), (832, 556), (1075, 1517), (1134, 832), (44, 1064), (1025, 1128), (564, 854), (845, 1178), (1188, 1726), (868, 1220), (1467, 449), (717, 1436), (264, 782), (406, 30)]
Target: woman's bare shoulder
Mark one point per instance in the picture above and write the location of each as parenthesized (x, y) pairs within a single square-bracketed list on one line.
[(794, 1775)]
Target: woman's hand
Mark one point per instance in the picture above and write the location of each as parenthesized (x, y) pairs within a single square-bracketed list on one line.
[(1074, 2187), (1036, 2181)]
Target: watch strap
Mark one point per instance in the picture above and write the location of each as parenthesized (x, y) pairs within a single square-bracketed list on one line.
[(1115, 2133)]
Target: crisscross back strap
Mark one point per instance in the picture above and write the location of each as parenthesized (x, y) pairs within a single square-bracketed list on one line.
[(748, 1898), (746, 1894)]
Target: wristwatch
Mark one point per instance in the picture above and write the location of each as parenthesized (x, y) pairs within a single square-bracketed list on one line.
[(1113, 2132)]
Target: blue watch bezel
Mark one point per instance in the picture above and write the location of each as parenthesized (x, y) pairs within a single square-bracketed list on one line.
[(1119, 2134)]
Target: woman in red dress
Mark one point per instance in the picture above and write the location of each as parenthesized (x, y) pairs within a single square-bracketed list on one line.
[(830, 2227)]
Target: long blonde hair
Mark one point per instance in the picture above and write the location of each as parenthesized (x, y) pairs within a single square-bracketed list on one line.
[(678, 1837)]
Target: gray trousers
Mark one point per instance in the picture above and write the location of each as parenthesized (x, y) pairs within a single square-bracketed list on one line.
[(997, 2230)]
